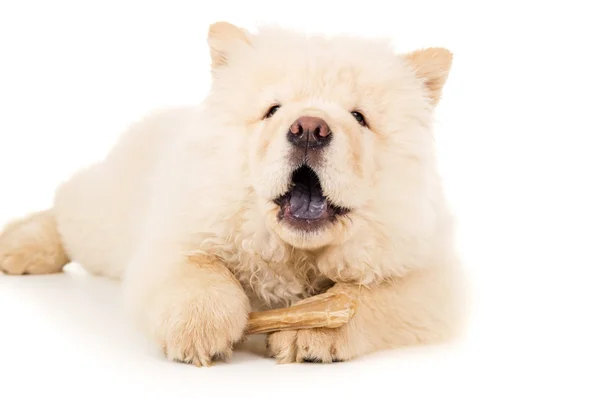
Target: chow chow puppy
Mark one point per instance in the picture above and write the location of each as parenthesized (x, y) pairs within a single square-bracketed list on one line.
[(310, 166)]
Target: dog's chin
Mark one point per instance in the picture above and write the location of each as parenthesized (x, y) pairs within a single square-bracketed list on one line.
[(325, 235), (304, 217)]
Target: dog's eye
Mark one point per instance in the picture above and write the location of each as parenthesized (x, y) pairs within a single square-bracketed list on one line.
[(359, 118), (272, 111)]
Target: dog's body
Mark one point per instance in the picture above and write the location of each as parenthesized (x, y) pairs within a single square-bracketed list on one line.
[(309, 166)]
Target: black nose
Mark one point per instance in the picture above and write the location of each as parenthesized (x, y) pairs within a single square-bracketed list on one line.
[(311, 132)]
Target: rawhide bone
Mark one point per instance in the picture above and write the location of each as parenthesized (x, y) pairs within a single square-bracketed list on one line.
[(331, 309)]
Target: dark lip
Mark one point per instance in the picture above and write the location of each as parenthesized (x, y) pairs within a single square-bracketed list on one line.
[(334, 211)]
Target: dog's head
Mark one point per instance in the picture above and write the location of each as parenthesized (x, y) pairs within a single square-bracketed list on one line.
[(331, 125)]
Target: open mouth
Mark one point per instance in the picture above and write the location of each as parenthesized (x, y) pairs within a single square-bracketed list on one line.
[(305, 206)]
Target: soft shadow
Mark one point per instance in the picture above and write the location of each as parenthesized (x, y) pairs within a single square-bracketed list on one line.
[(90, 308)]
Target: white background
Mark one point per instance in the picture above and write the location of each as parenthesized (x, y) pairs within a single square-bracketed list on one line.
[(518, 140)]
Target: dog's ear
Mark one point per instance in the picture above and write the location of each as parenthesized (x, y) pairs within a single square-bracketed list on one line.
[(432, 65), (223, 37)]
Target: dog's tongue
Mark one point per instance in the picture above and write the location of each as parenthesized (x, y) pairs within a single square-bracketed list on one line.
[(307, 201)]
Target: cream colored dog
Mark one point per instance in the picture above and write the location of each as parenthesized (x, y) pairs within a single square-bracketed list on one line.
[(309, 166)]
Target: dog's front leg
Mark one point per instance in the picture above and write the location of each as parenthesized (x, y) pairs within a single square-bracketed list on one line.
[(192, 306), (418, 308)]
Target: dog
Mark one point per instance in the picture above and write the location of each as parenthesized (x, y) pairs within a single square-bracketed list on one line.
[(310, 166)]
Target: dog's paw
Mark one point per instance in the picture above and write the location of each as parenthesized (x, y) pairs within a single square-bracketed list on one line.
[(196, 318), (204, 328), (32, 246), (310, 345), (199, 341)]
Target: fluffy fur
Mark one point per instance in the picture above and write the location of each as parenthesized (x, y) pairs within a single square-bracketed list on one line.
[(182, 209)]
